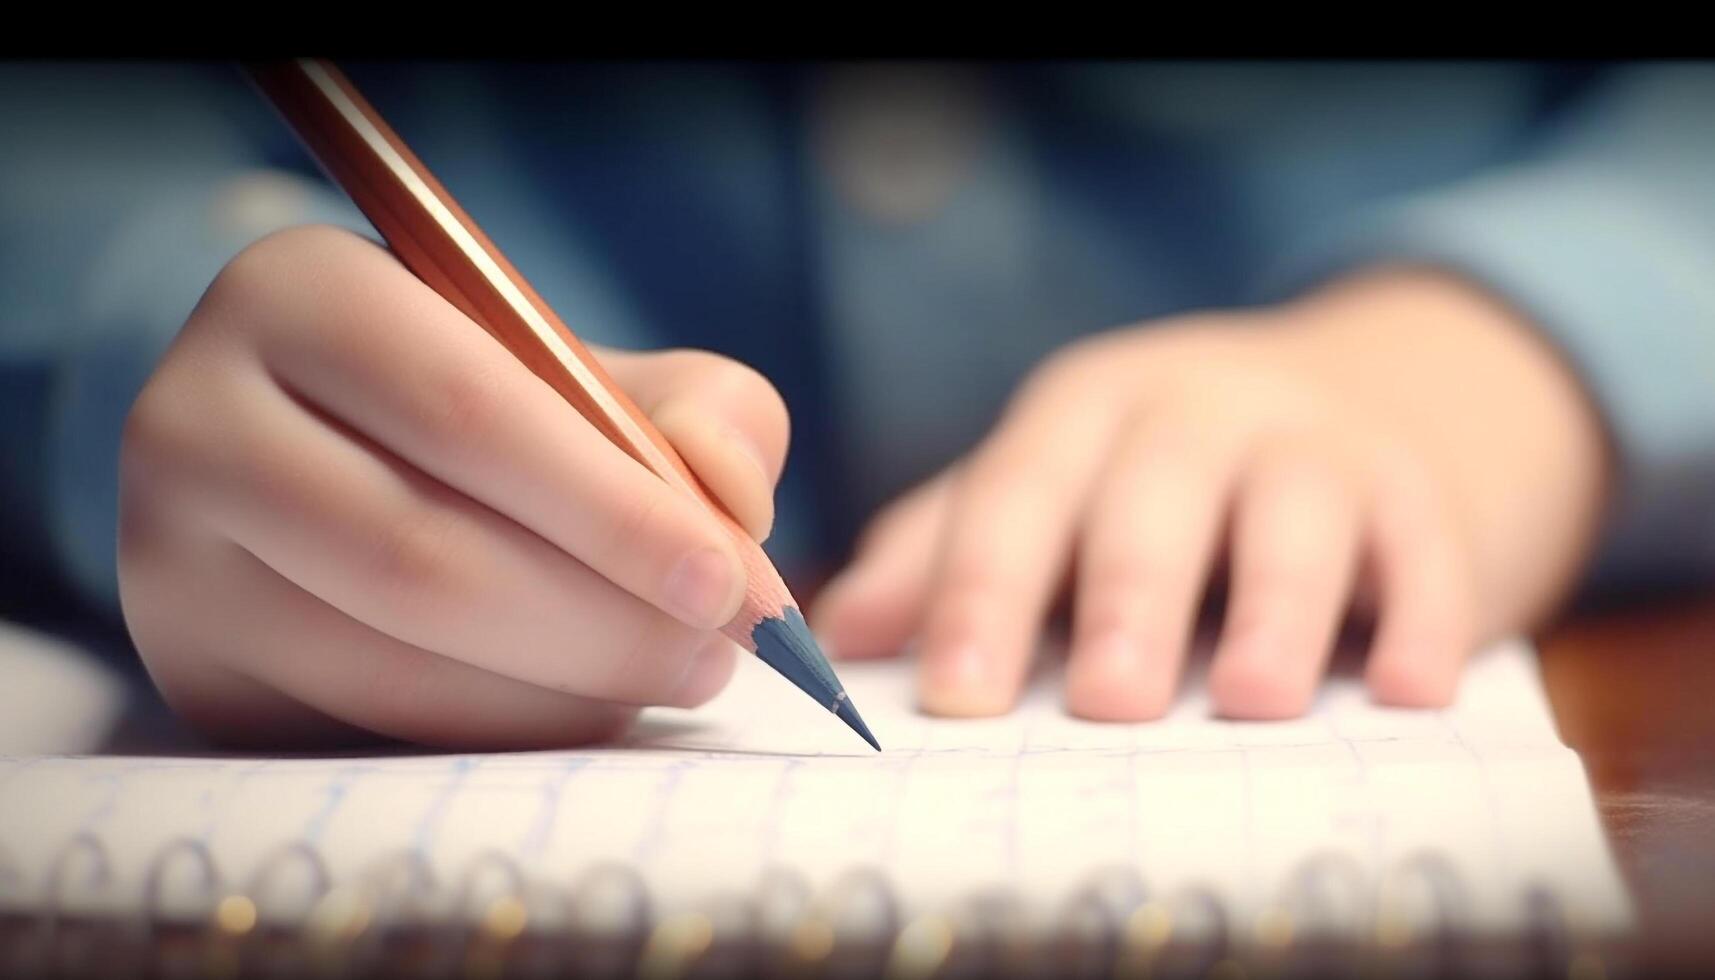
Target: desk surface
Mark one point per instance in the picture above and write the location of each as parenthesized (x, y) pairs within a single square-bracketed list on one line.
[(1634, 693)]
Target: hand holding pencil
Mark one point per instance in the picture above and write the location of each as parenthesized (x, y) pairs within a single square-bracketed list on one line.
[(392, 491), (351, 501)]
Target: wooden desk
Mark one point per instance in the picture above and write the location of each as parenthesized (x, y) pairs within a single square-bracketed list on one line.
[(1634, 693)]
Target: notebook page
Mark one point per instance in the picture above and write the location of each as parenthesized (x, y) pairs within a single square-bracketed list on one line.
[(697, 808)]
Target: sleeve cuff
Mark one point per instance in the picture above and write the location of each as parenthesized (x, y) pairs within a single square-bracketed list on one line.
[(1623, 288)]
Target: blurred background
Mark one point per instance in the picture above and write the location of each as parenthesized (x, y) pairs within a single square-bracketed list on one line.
[(893, 245)]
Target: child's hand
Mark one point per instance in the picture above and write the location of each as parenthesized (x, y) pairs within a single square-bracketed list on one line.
[(346, 506), (1399, 434)]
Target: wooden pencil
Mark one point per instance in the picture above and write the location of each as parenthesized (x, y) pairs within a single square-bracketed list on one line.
[(439, 242)]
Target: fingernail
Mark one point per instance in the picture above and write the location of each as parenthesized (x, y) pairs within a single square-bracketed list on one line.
[(700, 588)]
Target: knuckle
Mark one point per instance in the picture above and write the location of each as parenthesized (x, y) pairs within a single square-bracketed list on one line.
[(258, 267), (416, 563), (172, 441), (736, 383), (631, 520), (706, 369), (158, 427), (1404, 479), (301, 240), (1010, 470), (688, 359), (465, 406), (1304, 470), (1172, 443), (1080, 355), (1289, 454), (1068, 368), (739, 378), (246, 276), (259, 276), (772, 406)]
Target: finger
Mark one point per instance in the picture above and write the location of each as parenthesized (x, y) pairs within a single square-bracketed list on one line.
[(1295, 542), (875, 606), (1147, 545), (370, 345), (1007, 547), (1427, 626), (365, 533), (284, 640), (192, 674), (724, 418), (239, 712)]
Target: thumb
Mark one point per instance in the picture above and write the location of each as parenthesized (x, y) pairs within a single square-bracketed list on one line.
[(724, 418)]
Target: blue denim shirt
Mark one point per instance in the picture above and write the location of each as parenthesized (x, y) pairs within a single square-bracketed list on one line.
[(894, 246)]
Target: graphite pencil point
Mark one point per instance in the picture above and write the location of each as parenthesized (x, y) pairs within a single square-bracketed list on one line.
[(787, 645)]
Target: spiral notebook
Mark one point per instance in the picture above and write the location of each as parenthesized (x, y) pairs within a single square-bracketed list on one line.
[(759, 815)]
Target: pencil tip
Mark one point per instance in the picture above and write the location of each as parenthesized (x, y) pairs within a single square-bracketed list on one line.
[(787, 645), (848, 713)]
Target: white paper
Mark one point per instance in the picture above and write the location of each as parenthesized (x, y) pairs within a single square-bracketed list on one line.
[(763, 786)]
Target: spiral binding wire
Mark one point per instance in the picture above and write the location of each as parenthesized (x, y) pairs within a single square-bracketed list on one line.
[(291, 918)]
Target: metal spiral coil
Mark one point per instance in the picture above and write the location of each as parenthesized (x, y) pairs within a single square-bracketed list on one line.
[(497, 918)]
